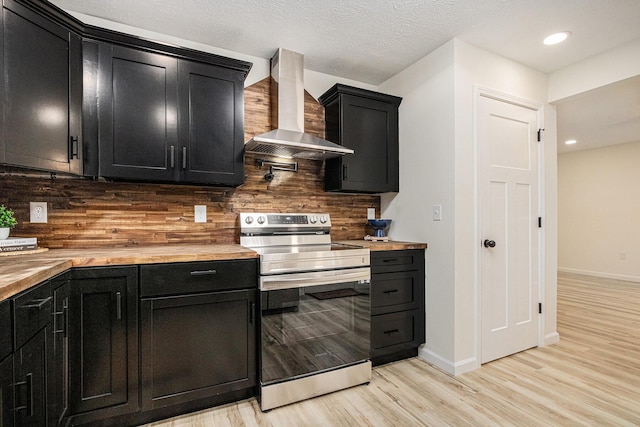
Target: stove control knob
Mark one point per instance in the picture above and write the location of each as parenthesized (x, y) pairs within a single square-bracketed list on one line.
[(313, 219), (324, 219), (248, 219), (261, 219)]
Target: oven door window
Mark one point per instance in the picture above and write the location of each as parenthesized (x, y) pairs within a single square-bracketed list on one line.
[(311, 329)]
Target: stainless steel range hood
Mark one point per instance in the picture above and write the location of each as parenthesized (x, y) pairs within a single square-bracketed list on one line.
[(289, 139)]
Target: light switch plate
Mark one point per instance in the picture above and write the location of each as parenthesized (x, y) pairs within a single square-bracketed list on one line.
[(38, 212), (200, 213), (437, 212)]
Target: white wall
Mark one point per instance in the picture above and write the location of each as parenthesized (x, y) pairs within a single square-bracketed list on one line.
[(437, 142), (599, 212), (427, 164)]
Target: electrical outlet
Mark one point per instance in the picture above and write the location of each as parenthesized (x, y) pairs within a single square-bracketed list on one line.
[(38, 212), (437, 212), (371, 213), (200, 213)]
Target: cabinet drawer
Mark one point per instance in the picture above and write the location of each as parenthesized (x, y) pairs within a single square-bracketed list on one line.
[(192, 277), (390, 261), (32, 312), (6, 344), (395, 291), (395, 328)]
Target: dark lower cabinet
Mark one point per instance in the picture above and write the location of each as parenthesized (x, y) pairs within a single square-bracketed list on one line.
[(6, 329), (58, 361), (32, 340), (6, 392), (103, 342), (6, 364), (30, 385), (196, 346), (198, 331), (69, 346), (397, 304)]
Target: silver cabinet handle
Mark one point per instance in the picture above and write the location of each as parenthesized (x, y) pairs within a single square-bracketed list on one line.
[(172, 156), (184, 157), (37, 303), (119, 305), (203, 273)]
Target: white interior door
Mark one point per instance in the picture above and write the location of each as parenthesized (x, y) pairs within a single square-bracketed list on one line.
[(508, 212)]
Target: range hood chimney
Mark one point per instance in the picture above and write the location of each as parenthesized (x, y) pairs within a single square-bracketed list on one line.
[(289, 139)]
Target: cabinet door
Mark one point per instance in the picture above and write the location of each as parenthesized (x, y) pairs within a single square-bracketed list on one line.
[(103, 356), (369, 127), (6, 329), (137, 114), (211, 124), (197, 346), (58, 367), (42, 92), (30, 381), (6, 392), (367, 122)]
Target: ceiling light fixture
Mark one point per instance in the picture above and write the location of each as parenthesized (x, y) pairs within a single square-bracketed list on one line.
[(570, 141), (556, 38)]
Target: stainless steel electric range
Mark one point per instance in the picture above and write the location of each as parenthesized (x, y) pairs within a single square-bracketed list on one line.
[(315, 307)]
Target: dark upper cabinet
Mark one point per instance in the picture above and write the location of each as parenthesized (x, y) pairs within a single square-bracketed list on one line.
[(166, 113), (103, 342), (166, 119), (366, 122), (137, 114), (41, 92), (210, 124)]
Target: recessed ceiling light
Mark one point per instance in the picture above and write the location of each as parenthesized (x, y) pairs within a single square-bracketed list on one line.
[(570, 141), (556, 38)]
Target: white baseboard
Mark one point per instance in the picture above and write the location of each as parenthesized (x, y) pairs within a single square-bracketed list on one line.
[(599, 274), (552, 338), (439, 362), (446, 365)]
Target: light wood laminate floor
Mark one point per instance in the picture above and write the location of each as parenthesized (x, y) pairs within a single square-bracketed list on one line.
[(590, 378)]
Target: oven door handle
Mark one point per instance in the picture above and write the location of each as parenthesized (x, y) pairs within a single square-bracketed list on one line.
[(302, 280)]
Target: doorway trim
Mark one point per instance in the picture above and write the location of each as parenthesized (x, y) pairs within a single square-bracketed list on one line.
[(483, 91)]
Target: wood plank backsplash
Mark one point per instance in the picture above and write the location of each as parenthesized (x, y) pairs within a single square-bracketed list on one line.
[(87, 213)]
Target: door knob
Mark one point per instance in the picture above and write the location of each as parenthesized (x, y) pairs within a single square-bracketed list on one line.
[(489, 243)]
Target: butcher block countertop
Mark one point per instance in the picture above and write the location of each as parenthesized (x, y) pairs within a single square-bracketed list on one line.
[(20, 272), (384, 246)]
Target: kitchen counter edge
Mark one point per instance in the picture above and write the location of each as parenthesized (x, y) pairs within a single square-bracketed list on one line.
[(384, 246), (20, 272)]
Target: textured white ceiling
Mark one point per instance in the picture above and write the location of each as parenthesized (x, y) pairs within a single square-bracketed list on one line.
[(372, 40)]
